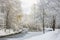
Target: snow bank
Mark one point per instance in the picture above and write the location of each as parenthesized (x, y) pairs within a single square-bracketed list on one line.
[(53, 35), (8, 32)]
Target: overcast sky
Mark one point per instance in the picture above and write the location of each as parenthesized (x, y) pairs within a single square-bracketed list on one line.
[(26, 5)]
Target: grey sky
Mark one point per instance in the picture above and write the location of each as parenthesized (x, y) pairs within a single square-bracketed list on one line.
[(26, 5)]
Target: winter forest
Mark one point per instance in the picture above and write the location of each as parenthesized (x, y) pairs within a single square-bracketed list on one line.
[(30, 16)]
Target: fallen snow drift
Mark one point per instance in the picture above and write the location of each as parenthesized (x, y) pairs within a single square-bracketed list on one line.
[(8, 32), (53, 35)]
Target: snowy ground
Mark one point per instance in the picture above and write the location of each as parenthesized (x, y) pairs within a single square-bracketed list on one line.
[(23, 36), (53, 35), (8, 32)]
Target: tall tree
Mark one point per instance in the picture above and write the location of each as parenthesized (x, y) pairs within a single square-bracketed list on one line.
[(54, 23), (13, 13), (43, 22)]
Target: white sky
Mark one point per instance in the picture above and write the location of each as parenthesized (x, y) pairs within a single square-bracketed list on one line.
[(26, 5)]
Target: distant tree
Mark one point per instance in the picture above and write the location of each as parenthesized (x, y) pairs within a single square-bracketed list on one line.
[(54, 22), (36, 16)]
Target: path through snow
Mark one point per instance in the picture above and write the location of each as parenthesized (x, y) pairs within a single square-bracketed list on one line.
[(53, 35)]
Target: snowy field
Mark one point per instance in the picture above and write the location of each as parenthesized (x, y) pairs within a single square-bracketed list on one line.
[(51, 35)]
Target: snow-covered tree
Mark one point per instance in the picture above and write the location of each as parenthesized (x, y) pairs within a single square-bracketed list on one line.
[(36, 16), (13, 13), (51, 8)]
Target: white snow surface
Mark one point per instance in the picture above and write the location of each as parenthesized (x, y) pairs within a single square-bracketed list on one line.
[(52, 35), (8, 32)]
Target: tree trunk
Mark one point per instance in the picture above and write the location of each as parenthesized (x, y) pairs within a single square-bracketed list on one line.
[(43, 22), (53, 26)]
